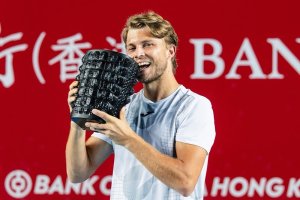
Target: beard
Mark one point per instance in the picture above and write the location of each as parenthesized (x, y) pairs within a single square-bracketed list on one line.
[(144, 78)]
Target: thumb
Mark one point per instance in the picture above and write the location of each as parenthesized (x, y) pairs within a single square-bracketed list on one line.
[(122, 114)]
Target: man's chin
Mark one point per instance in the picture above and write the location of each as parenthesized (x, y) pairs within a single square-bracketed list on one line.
[(142, 79)]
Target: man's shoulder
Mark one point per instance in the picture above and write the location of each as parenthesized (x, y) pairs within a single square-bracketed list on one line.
[(194, 97)]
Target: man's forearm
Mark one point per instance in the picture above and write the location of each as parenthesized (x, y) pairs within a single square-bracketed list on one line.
[(76, 154), (169, 170)]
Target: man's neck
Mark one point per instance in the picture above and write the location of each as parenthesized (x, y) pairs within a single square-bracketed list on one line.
[(160, 89)]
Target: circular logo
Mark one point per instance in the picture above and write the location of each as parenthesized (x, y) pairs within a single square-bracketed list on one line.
[(18, 184)]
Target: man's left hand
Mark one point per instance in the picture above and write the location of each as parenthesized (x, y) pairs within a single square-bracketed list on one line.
[(116, 129)]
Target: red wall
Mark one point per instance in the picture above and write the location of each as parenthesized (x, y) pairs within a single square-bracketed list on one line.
[(255, 154)]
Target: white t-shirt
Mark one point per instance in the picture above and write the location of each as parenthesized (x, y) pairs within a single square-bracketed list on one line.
[(183, 116)]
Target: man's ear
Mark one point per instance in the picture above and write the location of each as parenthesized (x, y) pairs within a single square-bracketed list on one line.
[(172, 50)]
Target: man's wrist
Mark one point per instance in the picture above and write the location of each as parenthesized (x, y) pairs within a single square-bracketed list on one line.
[(134, 142), (76, 127)]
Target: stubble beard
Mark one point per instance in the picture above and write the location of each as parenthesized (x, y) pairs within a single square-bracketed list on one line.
[(157, 75)]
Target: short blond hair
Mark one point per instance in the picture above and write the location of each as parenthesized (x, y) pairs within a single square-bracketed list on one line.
[(159, 28)]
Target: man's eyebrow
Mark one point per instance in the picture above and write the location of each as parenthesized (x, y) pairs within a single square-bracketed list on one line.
[(127, 45), (142, 42)]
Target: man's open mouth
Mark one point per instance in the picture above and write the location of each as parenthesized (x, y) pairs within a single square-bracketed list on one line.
[(143, 65)]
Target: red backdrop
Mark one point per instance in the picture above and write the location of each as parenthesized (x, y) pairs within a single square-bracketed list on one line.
[(243, 55)]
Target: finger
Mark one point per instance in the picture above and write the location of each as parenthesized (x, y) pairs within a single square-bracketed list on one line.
[(72, 92), (97, 126), (106, 117), (122, 114), (73, 84), (105, 132), (71, 99)]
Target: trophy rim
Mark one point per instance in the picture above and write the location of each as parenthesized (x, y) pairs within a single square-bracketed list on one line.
[(111, 52)]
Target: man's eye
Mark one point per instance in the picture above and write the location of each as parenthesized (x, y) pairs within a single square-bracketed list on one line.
[(130, 49), (147, 44)]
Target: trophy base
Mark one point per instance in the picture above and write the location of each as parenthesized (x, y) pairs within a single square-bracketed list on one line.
[(81, 119)]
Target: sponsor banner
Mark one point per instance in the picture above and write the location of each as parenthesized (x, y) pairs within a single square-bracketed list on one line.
[(242, 55), (20, 184)]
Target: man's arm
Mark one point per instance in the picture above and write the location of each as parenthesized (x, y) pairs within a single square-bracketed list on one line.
[(180, 173), (83, 157)]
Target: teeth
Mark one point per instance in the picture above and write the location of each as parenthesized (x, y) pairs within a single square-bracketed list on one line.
[(144, 63)]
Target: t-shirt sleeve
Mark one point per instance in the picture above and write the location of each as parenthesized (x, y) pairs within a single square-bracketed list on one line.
[(102, 137), (196, 123)]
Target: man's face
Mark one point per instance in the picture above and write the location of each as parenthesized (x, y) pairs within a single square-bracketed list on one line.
[(151, 53)]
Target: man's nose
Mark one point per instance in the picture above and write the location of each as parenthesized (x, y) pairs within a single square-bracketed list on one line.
[(139, 52)]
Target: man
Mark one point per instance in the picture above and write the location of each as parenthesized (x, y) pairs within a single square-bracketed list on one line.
[(162, 139)]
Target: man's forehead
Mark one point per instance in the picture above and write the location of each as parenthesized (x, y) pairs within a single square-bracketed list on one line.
[(140, 35)]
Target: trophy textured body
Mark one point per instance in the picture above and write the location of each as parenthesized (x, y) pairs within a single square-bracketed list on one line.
[(106, 81)]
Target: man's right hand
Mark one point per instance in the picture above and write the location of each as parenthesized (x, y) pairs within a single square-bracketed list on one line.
[(72, 93)]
